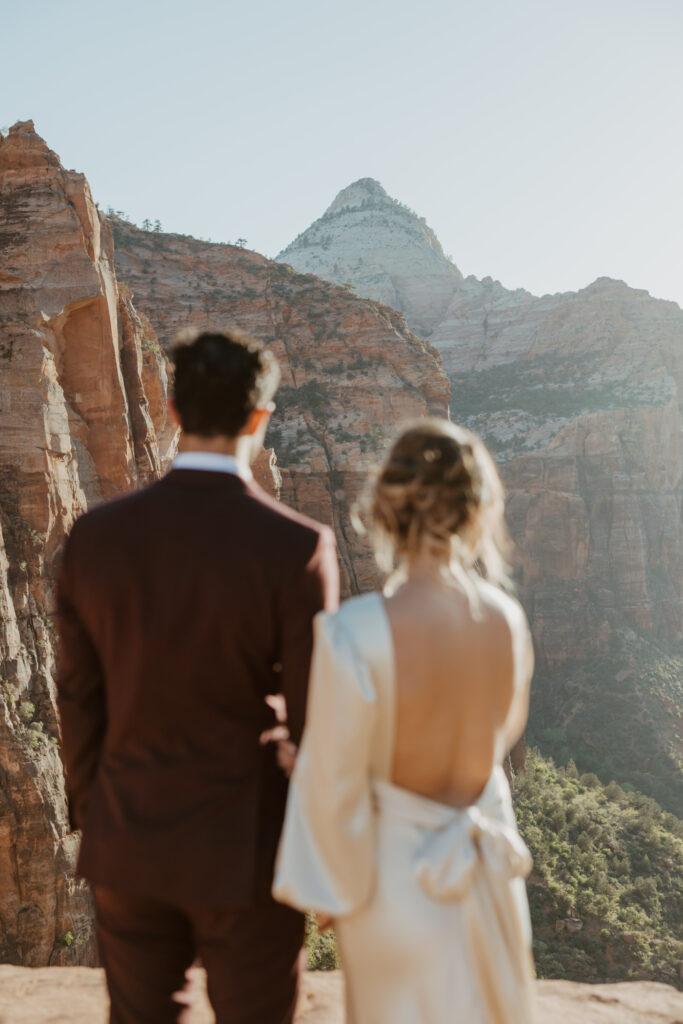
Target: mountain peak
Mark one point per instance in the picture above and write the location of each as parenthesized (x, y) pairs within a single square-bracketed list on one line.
[(357, 194), (384, 249), (23, 128)]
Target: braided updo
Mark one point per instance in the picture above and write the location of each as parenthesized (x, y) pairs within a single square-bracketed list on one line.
[(439, 493)]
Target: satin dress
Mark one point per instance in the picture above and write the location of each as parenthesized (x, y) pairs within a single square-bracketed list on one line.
[(429, 902)]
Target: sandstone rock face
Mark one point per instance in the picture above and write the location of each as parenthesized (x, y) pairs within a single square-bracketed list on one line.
[(367, 239), (82, 417), (580, 396), (267, 473), (352, 372)]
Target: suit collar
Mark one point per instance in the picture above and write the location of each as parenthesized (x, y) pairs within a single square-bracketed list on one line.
[(206, 478)]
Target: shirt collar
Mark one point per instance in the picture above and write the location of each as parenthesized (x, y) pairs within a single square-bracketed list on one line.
[(213, 461)]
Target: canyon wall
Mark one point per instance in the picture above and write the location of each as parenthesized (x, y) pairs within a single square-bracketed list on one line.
[(82, 418), (581, 398)]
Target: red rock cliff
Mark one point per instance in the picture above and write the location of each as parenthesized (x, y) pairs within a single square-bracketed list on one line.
[(82, 417)]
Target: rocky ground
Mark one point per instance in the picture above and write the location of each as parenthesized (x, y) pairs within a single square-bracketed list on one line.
[(76, 995)]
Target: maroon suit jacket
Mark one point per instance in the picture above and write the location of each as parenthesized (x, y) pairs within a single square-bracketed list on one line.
[(180, 608)]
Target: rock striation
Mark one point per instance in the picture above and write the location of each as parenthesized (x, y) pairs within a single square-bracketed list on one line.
[(82, 418), (385, 251), (352, 372)]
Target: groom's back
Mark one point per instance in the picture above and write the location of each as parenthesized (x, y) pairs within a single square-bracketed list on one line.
[(180, 609), (180, 587), (197, 595)]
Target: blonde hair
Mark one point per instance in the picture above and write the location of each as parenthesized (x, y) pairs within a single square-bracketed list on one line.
[(439, 493)]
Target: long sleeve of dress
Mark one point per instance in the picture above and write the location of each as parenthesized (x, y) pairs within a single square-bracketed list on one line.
[(326, 860)]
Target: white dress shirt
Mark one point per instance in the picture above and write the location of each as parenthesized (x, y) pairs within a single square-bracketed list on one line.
[(215, 462)]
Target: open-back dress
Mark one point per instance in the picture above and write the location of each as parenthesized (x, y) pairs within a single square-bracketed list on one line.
[(429, 902)]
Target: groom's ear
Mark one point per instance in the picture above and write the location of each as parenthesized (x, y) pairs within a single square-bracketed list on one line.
[(258, 419)]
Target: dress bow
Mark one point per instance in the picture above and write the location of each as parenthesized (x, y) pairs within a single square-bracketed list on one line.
[(447, 860)]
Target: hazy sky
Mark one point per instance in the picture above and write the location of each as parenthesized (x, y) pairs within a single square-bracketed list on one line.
[(541, 139)]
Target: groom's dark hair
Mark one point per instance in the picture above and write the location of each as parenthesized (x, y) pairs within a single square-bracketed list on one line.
[(219, 379)]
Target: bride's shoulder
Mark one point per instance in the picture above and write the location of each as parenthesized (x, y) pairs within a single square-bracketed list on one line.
[(356, 618), (356, 639), (353, 612), (500, 607)]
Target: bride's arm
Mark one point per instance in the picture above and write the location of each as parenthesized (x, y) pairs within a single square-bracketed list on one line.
[(326, 856), (523, 669)]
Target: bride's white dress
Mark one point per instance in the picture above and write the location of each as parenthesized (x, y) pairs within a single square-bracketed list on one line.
[(429, 902)]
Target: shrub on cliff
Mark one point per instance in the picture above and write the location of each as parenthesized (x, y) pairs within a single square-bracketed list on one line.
[(321, 948), (608, 862)]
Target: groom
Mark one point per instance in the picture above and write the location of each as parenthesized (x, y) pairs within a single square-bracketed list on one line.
[(180, 609)]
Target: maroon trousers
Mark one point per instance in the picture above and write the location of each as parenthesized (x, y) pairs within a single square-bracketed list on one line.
[(252, 958)]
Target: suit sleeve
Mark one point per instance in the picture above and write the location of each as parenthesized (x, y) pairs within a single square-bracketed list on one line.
[(80, 695), (316, 589)]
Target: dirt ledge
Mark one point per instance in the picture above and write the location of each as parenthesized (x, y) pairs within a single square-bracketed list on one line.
[(77, 995)]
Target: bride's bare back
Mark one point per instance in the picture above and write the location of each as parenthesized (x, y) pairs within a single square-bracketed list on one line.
[(462, 685)]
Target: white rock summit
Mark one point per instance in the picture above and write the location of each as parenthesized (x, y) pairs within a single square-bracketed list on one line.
[(371, 241)]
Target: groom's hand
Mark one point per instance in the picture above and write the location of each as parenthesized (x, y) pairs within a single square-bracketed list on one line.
[(286, 750), (187, 996), (286, 756), (279, 732)]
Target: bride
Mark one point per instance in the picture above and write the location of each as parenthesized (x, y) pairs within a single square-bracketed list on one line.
[(399, 825)]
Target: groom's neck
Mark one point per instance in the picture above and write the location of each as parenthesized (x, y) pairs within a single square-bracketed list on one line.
[(220, 444), (241, 447)]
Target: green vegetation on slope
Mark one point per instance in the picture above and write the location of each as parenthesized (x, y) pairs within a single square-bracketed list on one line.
[(612, 857), (321, 948), (609, 860)]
